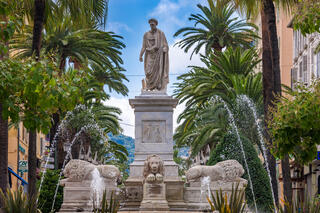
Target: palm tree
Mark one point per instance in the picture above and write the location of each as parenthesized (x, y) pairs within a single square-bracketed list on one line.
[(227, 74), (201, 127), (83, 12), (4, 152), (87, 47), (9, 16), (218, 29), (271, 73), (105, 117)]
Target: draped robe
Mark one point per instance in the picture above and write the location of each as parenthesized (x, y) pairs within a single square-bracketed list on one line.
[(156, 63)]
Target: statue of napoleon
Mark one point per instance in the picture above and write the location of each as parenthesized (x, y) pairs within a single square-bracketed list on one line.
[(156, 59)]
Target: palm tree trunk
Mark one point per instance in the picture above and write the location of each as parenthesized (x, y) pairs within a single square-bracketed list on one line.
[(270, 16), (287, 185), (3, 142), (268, 88), (3, 153), (39, 6), (271, 30), (32, 163)]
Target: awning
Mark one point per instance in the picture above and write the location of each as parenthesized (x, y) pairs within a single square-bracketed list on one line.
[(15, 174)]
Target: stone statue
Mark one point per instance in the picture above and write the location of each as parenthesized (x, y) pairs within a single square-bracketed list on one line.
[(153, 169), (82, 185), (156, 59), (227, 171), (79, 170)]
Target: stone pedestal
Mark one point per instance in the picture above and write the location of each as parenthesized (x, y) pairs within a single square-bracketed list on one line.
[(153, 131), (77, 195), (153, 135), (154, 197), (195, 195)]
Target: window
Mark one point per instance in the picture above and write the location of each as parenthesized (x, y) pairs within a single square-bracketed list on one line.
[(295, 39), (300, 71), (41, 146), (305, 69), (318, 65), (294, 77)]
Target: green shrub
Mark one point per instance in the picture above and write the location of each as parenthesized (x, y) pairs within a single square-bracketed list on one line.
[(18, 202), (309, 206), (236, 203), (105, 207), (229, 148), (47, 192)]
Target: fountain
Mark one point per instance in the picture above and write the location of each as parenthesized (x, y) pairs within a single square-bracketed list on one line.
[(85, 184), (147, 188), (252, 107), (234, 127)]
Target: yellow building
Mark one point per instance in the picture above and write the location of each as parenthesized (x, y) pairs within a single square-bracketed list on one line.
[(18, 152), (285, 43)]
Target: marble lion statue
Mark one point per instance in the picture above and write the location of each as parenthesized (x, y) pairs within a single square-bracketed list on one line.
[(228, 171), (79, 170), (153, 169)]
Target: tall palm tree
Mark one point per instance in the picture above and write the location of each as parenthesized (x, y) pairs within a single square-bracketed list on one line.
[(215, 28), (227, 74), (9, 15), (84, 11), (87, 47), (271, 72), (4, 152)]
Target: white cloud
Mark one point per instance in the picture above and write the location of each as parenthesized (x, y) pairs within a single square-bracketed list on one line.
[(179, 60), (127, 115), (171, 14), (118, 27), (165, 11), (179, 109)]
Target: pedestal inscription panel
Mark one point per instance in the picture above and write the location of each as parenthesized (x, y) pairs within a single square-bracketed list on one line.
[(153, 131)]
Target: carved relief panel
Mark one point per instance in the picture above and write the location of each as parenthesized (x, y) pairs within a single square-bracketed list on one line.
[(153, 131)]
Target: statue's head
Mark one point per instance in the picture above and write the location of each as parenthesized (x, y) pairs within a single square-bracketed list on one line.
[(153, 23), (154, 165)]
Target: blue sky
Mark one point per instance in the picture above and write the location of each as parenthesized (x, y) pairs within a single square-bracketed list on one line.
[(129, 18)]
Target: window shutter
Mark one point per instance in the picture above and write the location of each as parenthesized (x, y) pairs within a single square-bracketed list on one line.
[(294, 77), (318, 65), (305, 69)]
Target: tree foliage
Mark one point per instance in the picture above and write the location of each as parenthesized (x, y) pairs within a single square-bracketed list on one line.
[(307, 17), (227, 75), (296, 123), (229, 148), (48, 190), (215, 28)]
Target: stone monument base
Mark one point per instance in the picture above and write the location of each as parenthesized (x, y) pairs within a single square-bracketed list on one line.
[(154, 197), (134, 193)]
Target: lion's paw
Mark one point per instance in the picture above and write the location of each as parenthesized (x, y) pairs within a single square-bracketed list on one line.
[(159, 177)]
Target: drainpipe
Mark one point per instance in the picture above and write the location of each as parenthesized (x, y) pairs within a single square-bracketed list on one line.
[(18, 153)]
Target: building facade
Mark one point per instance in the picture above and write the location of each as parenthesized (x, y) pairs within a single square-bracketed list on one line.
[(18, 139), (305, 69), (306, 63)]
